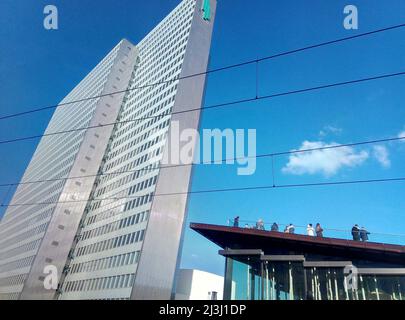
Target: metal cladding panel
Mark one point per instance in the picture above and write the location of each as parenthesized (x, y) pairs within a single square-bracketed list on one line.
[(62, 228), (159, 258)]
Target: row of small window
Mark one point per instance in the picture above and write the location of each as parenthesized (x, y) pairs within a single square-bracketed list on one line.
[(171, 23), (111, 209), (138, 201), (24, 191), (115, 282), (152, 94), (173, 18), (160, 65), (170, 74), (142, 159), (79, 119), (136, 162), (142, 147), (157, 73), (79, 110), (112, 243), (9, 296), (14, 232), (79, 115), (20, 249), (24, 235), (56, 154), (37, 192), (144, 95), (116, 225), (58, 172), (15, 212), (169, 54), (26, 220), (150, 127), (94, 86), (155, 43), (40, 193), (161, 137), (107, 263), (134, 129), (131, 190), (13, 280), (143, 185), (33, 210), (47, 195), (21, 263), (150, 71), (133, 153), (49, 147), (63, 155), (110, 182), (107, 187), (125, 192), (157, 113)]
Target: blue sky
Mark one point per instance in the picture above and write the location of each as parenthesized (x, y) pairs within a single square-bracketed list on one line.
[(39, 67)]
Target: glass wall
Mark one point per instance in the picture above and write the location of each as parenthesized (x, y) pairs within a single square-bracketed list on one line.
[(246, 279), (283, 281), (381, 287), (326, 284), (251, 278)]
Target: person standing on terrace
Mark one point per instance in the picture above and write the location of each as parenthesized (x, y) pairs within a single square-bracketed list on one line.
[(310, 230), (319, 230)]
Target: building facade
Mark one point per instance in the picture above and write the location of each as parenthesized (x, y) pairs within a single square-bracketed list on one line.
[(192, 284), (272, 265), (96, 219)]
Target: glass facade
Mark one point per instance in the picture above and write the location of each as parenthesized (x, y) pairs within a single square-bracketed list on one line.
[(326, 284), (253, 277), (381, 287), (283, 280)]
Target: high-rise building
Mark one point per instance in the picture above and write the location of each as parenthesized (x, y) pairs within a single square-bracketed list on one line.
[(96, 218)]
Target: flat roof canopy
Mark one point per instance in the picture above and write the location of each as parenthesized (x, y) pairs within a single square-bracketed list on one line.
[(245, 238)]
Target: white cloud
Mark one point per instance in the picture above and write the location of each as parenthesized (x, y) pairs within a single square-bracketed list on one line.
[(326, 161), (330, 129), (382, 156), (401, 134)]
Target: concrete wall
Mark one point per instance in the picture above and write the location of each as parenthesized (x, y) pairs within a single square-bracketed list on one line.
[(198, 285)]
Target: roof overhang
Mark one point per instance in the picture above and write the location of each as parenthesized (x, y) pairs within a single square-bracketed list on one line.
[(252, 239)]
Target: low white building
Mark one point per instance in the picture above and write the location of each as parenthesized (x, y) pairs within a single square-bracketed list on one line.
[(199, 285)]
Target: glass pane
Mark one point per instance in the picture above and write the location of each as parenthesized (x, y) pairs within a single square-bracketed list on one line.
[(246, 279), (283, 281)]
